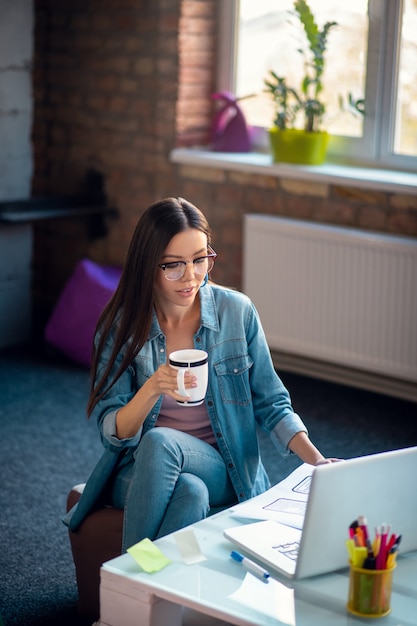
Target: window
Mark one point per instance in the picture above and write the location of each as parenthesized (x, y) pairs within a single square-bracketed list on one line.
[(371, 54)]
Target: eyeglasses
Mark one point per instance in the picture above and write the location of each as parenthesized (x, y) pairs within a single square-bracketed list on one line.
[(201, 266)]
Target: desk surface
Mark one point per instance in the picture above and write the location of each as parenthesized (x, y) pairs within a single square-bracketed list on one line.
[(221, 588)]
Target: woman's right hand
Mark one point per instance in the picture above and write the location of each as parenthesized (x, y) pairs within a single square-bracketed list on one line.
[(164, 381)]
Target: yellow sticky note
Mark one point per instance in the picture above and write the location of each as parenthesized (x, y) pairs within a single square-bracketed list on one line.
[(148, 556)]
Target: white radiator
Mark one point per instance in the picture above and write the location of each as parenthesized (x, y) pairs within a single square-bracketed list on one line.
[(336, 295)]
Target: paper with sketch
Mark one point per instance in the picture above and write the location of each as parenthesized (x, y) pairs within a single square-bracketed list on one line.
[(285, 502)]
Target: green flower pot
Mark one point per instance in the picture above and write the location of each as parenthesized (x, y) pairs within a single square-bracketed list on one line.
[(298, 146)]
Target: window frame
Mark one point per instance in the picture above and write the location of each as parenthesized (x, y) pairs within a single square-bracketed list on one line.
[(376, 147)]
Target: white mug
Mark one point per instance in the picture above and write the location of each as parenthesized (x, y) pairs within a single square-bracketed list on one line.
[(196, 362)]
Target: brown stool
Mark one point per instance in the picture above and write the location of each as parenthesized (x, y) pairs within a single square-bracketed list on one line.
[(98, 539)]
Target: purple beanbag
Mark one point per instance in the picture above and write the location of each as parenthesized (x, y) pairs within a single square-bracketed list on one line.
[(72, 323)]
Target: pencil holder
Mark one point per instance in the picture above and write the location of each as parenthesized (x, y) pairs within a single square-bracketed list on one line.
[(370, 591)]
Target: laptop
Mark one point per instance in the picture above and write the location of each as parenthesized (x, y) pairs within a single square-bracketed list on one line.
[(382, 487)]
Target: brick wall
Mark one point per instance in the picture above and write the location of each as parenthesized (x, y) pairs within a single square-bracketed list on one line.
[(117, 85)]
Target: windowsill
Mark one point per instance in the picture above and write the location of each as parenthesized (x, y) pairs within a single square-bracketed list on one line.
[(331, 173)]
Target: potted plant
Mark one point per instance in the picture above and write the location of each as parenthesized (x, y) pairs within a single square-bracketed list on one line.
[(289, 143)]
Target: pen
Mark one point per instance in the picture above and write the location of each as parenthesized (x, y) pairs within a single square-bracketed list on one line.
[(363, 524), (391, 558), (370, 561), (377, 541), (391, 541), (251, 567), (381, 557), (361, 536), (352, 529)]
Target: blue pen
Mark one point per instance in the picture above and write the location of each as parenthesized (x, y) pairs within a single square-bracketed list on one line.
[(251, 567)]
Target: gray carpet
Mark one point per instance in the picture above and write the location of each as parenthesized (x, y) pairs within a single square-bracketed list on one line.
[(47, 445)]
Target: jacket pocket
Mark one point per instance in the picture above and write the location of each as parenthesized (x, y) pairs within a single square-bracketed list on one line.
[(233, 379)]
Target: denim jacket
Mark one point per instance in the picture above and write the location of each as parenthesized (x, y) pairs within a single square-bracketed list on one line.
[(243, 390)]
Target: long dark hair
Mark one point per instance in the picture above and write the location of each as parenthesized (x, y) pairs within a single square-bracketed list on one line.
[(129, 312)]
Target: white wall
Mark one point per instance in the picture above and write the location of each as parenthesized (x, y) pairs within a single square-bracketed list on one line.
[(16, 53)]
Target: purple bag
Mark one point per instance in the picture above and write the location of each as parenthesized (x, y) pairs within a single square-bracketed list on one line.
[(229, 131), (73, 321)]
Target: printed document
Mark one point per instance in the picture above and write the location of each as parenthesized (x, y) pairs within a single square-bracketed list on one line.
[(285, 502)]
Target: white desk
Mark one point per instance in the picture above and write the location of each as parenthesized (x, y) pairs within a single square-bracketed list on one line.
[(130, 597)]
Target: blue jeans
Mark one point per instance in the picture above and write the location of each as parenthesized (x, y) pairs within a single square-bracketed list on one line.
[(173, 481)]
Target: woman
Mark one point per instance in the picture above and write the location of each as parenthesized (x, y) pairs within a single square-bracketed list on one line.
[(164, 464)]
